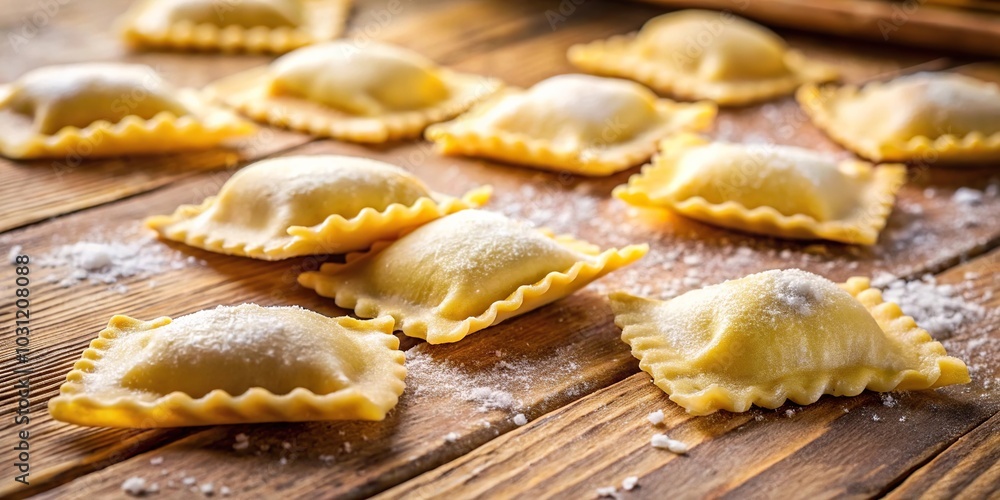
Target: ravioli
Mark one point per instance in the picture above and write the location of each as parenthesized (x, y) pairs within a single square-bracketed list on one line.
[(373, 93), (232, 365), (700, 54), (275, 26), (576, 123), (780, 335), (463, 273), (929, 117), (308, 205), (766, 189), (107, 109)]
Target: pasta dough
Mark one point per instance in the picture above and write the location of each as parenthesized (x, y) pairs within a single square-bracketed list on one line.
[(104, 109), (699, 54), (307, 205), (234, 365), (375, 93), (581, 124), (244, 25), (928, 117), (463, 273), (780, 335), (774, 190)]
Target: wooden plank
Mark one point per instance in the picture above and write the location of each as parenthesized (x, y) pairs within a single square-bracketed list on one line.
[(968, 469), (837, 447), (915, 24)]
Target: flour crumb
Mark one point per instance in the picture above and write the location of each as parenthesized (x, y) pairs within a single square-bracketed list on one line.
[(888, 400), (789, 413), (189, 481), (134, 486), (876, 418), (242, 442), (661, 441), (225, 491), (520, 419), (759, 417), (967, 196), (451, 437), (207, 489), (903, 418), (630, 483), (156, 461), (608, 492), (656, 417)]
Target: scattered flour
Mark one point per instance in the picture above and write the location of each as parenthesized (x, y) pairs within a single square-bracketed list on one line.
[(491, 384), (451, 437), (939, 309), (520, 419), (108, 259)]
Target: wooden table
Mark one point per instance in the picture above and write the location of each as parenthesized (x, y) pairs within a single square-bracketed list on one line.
[(585, 399)]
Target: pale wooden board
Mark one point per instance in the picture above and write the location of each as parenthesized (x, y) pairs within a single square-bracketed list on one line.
[(518, 44)]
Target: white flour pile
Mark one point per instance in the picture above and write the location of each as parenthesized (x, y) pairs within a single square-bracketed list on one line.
[(108, 259), (939, 309)]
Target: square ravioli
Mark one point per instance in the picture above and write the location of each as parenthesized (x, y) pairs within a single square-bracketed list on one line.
[(700, 54), (274, 26), (307, 205), (107, 109), (798, 336), (370, 94), (581, 124), (773, 190), (233, 365), (463, 273), (925, 117)]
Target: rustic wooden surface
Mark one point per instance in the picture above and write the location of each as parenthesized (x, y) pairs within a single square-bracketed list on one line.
[(574, 379)]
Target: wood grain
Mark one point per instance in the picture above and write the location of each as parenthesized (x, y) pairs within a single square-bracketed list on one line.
[(519, 43), (968, 469)]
